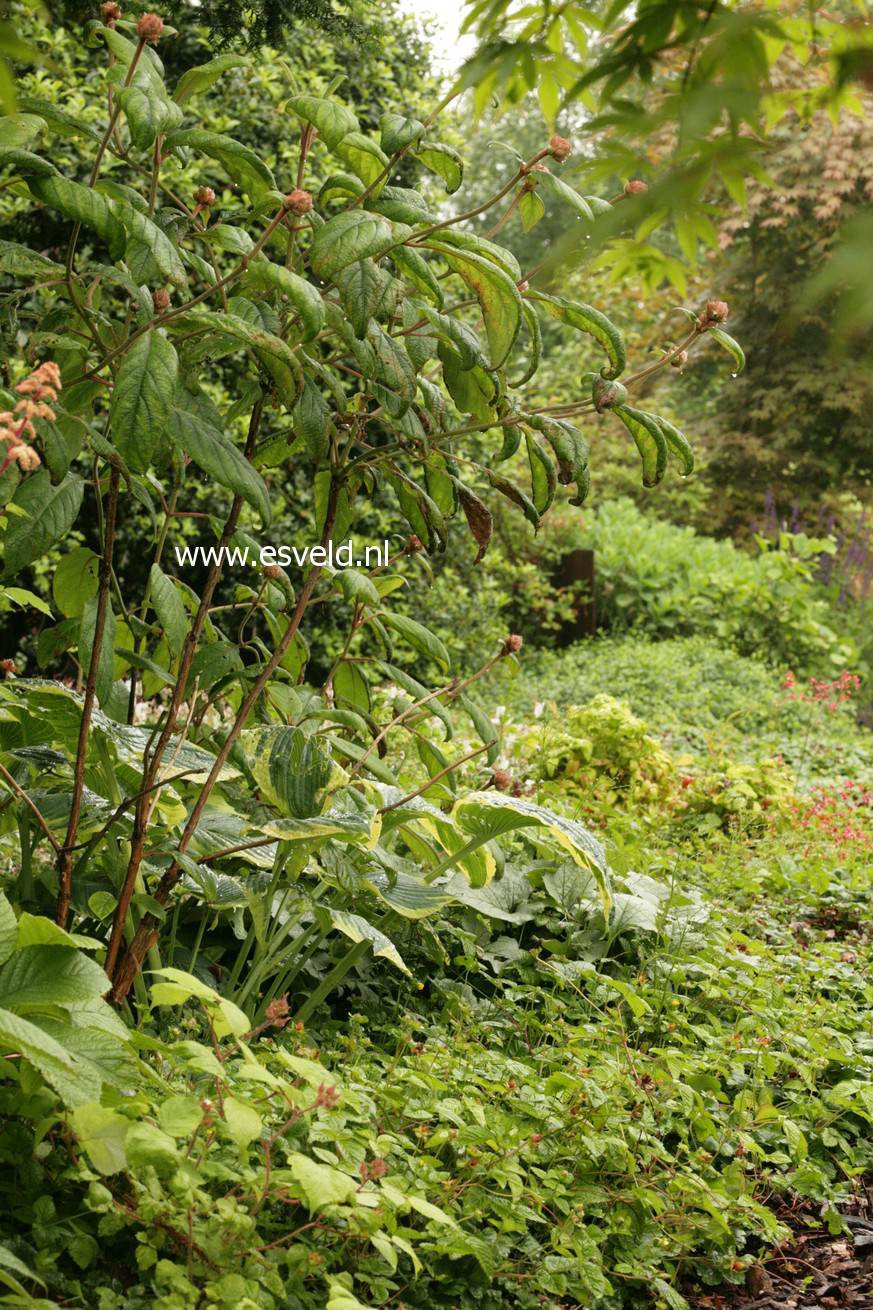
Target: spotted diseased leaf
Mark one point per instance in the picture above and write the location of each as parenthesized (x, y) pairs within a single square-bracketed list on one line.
[(141, 399), (312, 419), (516, 496), (149, 253), (478, 516), (418, 271), (362, 286), (363, 157), (585, 318)]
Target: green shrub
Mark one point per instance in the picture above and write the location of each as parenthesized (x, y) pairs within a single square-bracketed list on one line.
[(666, 581)]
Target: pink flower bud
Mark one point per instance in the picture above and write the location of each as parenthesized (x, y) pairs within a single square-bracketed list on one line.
[(560, 148), (414, 544), (110, 12), (271, 571), (8, 667), (161, 298), (298, 202), (277, 1012), (501, 779), (204, 196), (716, 311), (150, 27), (634, 188), (678, 360), (513, 643)]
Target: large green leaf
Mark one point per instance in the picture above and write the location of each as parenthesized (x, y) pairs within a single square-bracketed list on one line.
[(305, 298), (141, 399), (101, 1134), (83, 205), (169, 608), (147, 114), (57, 1065), (195, 80), (39, 978), (239, 162), (362, 156), (491, 814), (359, 930), (348, 237), (332, 119), (587, 319), (149, 254), (240, 329), (48, 514), (192, 427), (497, 294), (418, 637)]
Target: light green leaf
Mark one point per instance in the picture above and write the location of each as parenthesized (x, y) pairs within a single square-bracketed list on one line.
[(359, 930), (196, 80), (319, 1184), (101, 1135), (733, 348), (27, 600), (243, 1121)]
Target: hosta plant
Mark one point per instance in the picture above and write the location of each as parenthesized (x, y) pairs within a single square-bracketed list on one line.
[(210, 317)]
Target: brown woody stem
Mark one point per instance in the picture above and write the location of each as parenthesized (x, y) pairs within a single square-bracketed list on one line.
[(65, 856), (146, 934)]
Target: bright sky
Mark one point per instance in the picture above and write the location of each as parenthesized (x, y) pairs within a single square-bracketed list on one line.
[(450, 49)]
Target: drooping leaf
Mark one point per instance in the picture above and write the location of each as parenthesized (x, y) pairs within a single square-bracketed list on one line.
[(141, 399), (169, 608), (733, 348), (398, 132), (650, 442), (193, 428), (585, 318), (497, 294), (241, 163)]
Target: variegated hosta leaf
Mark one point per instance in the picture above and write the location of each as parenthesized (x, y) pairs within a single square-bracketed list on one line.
[(293, 771), (479, 866), (361, 829), (360, 931), (492, 814), (411, 897)]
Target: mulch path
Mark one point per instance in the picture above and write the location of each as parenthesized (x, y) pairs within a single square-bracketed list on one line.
[(811, 1270)]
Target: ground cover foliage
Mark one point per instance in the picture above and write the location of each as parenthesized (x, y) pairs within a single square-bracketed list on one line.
[(355, 949)]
